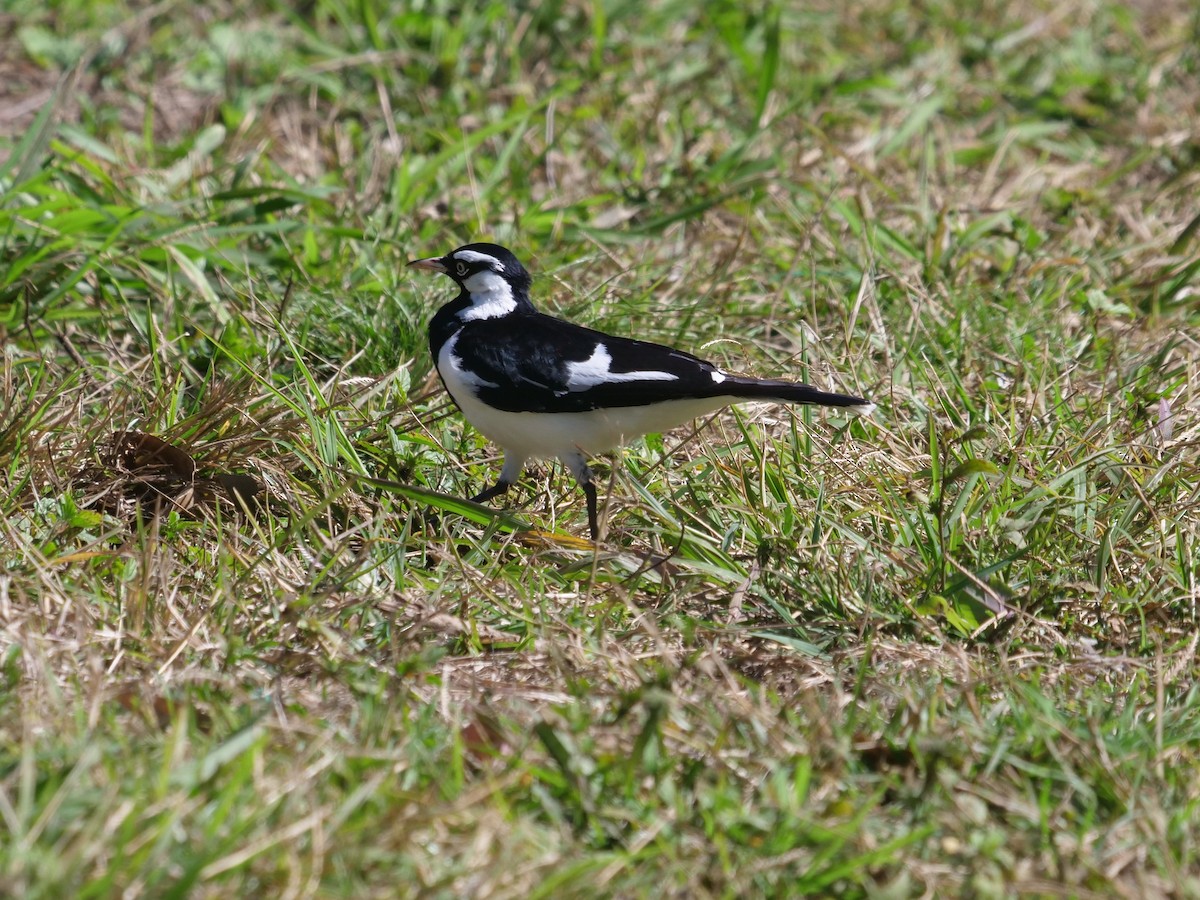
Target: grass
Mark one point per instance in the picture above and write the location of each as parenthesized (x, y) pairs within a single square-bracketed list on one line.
[(252, 642)]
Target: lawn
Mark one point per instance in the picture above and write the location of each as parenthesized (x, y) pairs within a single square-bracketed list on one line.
[(252, 642)]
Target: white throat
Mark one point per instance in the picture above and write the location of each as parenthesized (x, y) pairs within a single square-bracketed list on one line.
[(491, 297)]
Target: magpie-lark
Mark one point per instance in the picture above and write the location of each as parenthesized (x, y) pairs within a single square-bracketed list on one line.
[(541, 387)]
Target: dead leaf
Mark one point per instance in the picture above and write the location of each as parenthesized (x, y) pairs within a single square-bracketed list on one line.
[(136, 451)]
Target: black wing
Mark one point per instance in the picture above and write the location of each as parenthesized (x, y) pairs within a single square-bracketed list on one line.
[(543, 364)]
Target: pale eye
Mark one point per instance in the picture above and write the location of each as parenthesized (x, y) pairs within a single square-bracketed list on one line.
[(461, 268)]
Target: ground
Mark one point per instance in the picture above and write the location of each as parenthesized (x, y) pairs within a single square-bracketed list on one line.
[(251, 641)]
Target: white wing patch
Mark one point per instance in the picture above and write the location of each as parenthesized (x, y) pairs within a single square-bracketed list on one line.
[(491, 294), (474, 256), (460, 382), (597, 369), (717, 376)]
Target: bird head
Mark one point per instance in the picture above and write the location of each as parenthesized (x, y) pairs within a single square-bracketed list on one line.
[(477, 267), (493, 281)]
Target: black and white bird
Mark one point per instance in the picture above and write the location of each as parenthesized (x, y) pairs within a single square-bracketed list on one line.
[(542, 387)]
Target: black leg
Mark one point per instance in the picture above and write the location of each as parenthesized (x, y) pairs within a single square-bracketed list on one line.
[(589, 491), (508, 477), (577, 463), (494, 491)]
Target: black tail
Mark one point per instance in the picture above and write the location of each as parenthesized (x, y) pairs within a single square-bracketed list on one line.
[(790, 392)]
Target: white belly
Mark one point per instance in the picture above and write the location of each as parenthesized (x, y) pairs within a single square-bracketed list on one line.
[(548, 435)]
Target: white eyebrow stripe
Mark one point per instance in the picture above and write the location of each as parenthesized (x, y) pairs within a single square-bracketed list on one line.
[(597, 369), (474, 256)]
